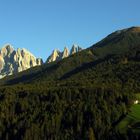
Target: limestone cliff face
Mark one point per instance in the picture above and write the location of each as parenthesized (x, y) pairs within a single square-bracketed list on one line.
[(57, 55), (13, 61), (75, 48), (1, 63), (65, 53)]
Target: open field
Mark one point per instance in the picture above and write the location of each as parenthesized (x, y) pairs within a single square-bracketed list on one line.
[(131, 121)]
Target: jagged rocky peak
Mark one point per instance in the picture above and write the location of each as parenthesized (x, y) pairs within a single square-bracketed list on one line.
[(54, 56), (6, 50), (57, 55), (39, 61), (1, 63), (65, 53), (75, 48), (13, 61)]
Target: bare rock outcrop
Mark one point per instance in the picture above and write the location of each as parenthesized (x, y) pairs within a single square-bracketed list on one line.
[(14, 61), (57, 55)]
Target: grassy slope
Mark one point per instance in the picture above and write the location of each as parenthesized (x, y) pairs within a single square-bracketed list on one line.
[(138, 96), (131, 120)]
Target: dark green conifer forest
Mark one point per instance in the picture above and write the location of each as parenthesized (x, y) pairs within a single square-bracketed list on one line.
[(82, 97)]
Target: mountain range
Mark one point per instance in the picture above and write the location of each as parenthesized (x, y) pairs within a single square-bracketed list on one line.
[(57, 55), (13, 61), (84, 96), (119, 43)]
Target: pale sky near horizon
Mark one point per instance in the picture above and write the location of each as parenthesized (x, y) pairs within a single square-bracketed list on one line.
[(43, 25)]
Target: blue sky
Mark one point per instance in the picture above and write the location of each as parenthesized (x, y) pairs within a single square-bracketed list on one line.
[(42, 25)]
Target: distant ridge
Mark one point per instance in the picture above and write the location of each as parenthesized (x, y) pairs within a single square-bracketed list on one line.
[(57, 55), (119, 44)]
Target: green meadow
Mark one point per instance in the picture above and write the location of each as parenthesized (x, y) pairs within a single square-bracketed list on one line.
[(132, 120)]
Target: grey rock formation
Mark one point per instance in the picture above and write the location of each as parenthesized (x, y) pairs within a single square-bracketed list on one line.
[(57, 55), (75, 48), (65, 53), (13, 61)]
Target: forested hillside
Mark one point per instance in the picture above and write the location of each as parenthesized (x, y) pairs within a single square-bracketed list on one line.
[(82, 97)]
